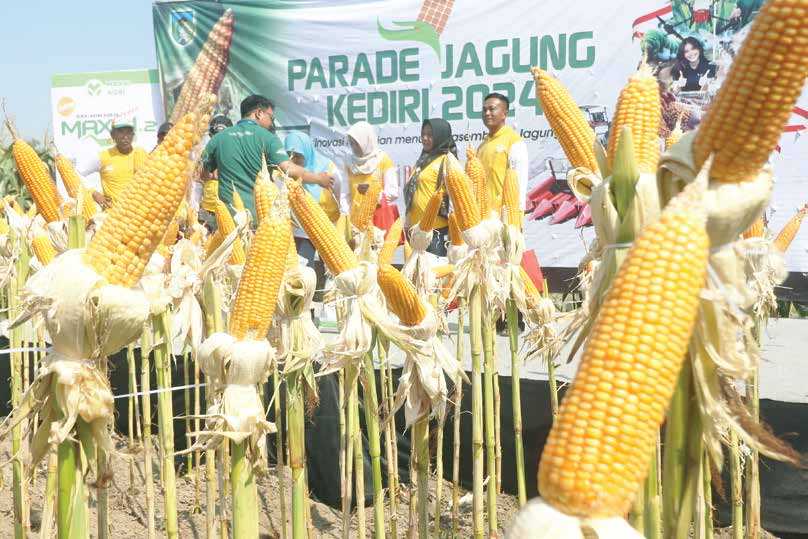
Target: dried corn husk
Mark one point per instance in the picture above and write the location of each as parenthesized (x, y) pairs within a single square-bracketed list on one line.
[(418, 267), (422, 386), (87, 320), (723, 347), (562, 526), (234, 369), (296, 337)]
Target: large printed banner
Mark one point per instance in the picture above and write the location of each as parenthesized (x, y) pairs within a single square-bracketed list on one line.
[(328, 64), (85, 104)]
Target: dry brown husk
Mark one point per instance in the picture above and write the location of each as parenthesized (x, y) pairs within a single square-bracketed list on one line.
[(723, 347), (87, 320), (418, 267)]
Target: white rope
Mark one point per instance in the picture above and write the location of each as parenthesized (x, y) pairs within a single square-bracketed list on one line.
[(163, 390)]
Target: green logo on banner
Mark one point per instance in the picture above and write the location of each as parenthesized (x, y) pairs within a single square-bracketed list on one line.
[(412, 31), (183, 26), (94, 87)]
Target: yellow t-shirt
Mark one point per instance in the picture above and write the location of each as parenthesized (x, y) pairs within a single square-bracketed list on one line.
[(427, 183), (117, 170), (354, 180), (493, 154), (327, 200)]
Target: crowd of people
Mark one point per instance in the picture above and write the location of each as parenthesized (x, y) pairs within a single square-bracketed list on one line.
[(234, 154)]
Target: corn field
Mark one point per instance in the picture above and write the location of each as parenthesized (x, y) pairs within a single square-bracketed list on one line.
[(682, 270)]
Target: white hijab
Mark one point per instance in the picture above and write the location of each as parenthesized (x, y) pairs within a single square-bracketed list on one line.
[(365, 136)]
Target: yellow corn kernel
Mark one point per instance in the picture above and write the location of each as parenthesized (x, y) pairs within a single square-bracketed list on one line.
[(402, 299), (568, 122), (209, 68), (430, 214), (213, 242), (789, 232), (391, 241), (364, 205), (36, 176), (638, 108), (292, 260), (476, 173), (172, 234), (70, 178), (264, 193), (260, 282), (455, 235), (510, 199), (756, 229), (225, 223), (333, 250), (43, 249), (238, 203), (135, 226), (460, 191), (745, 120), (674, 136), (532, 292), (597, 454)]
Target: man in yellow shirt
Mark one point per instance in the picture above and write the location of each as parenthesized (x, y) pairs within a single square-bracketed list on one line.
[(116, 165), (502, 149)]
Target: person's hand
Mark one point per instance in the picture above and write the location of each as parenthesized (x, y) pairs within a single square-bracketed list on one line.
[(362, 188), (325, 180), (103, 201), (678, 84)]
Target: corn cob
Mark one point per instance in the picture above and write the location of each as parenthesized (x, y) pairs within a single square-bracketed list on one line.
[(568, 122), (213, 242), (120, 250), (225, 223), (510, 199), (43, 249), (638, 107), (292, 261), (756, 229), (745, 120), (476, 173), (391, 241), (70, 178), (674, 137), (436, 13), (264, 193), (402, 299), (36, 176), (238, 203), (208, 70), (364, 205), (532, 292), (89, 208), (597, 454), (258, 287), (172, 233), (460, 190), (455, 236), (430, 214), (332, 249), (789, 232)]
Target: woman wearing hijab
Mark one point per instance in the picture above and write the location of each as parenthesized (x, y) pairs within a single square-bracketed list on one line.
[(367, 164), (437, 141), (301, 152)]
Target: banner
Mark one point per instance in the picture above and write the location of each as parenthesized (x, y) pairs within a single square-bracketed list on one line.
[(85, 104), (327, 65)]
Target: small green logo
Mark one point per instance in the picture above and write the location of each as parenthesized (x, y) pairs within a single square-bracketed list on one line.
[(420, 31), (94, 87)]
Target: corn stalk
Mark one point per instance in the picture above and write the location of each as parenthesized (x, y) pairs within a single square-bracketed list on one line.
[(145, 386), (165, 417), (490, 423), (476, 322), (421, 453), (458, 399), (389, 435), (513, 333), (211, 300), (372, 421)]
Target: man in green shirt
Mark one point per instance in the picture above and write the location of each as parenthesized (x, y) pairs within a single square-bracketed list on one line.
[(235, 153)]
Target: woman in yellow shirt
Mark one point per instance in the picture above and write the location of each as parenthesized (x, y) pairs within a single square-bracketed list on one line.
[(367, 163), (437, 141)]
